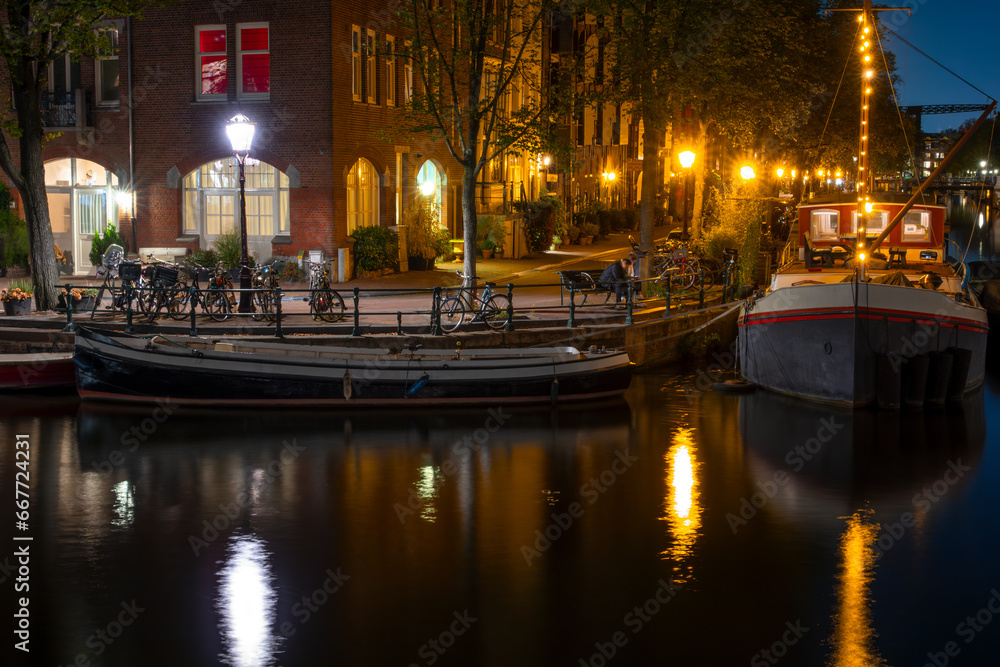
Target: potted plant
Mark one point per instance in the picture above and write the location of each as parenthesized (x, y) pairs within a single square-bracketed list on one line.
[(229, 250), (422, 235), (573, 234), (17, 299), (203, 263), (590, 230), (489, 234)]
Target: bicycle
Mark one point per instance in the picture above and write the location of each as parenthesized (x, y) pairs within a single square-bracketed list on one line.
[(218, 300), (162, 289), (264, 282), (324, 303), (492, 308)]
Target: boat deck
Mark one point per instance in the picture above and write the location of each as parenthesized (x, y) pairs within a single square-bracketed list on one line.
[(795, 273)]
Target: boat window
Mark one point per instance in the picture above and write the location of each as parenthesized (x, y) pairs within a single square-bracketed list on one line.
[(877, 220), (916, 226), (824, 225)]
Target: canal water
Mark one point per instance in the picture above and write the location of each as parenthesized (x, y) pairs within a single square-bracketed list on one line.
[(675, 527)]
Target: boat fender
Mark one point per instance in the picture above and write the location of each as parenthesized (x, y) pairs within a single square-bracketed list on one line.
[(348, 386), (554, 391), (418, 385)]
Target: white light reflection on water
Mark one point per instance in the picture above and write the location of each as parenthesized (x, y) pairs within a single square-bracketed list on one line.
[(247, 604), (124, 506)]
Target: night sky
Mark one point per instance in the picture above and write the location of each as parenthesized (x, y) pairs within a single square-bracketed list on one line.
[(960, 35)]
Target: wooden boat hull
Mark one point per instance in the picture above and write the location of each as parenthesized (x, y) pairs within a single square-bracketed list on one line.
[(32, 371), (119, 367), (823, 341)]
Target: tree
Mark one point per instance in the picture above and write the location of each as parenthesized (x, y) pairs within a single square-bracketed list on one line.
[(473, 58), (36, 33), (983, 146)]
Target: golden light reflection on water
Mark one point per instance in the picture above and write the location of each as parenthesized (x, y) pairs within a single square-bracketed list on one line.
[(683, 513), (853, 634), (247, 604), (427, 491)]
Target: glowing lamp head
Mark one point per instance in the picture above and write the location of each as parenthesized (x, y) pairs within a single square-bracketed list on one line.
[(240, 131), (868, 207), (746, 172), (686, 158), (780, 172), (612, 176), (982, 163), (427, 188), (861, 256), (124, 200), (546, 160)]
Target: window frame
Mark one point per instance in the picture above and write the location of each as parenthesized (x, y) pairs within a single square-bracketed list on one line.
[(390, 71), (371, 68), (356, 75), (199, 54), (116, 26), (925, 217), (824, 236), (880, 215), (408, 76), (240, 52), (195, 191), (357, 218)]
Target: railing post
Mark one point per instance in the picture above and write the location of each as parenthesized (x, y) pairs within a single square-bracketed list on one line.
[(69, 308), (128, 308), (628, 300), (277, 307), (510, 308), (572, 306), (399, 323), (701, 292), (357, 312), (194, 303), (436, 312)]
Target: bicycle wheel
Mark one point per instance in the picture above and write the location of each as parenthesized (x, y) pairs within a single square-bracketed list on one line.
[(326, 305), (216, 303), (147, 302), (683, 278), (452, 314), (495, 312), (259, 305), (178, 302)]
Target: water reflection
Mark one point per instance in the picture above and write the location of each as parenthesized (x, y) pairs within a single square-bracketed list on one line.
[(853, 635), (246, 603), (683, 512), (124, 504)]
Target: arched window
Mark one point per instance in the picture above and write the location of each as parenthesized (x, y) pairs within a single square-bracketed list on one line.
[(212, 201), (82, 197), (362, 195)]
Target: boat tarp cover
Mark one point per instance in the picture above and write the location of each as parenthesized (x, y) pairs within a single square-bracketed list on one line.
[(891, 278)]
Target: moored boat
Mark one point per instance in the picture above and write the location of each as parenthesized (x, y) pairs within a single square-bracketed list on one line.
[(31, 359), (213, 371)]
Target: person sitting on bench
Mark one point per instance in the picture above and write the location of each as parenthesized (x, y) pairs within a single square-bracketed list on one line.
[(615, 278)]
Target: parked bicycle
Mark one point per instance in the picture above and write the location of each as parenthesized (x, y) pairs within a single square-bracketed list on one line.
[(489, 307), (324, 303), (265, 282), (217, 300)]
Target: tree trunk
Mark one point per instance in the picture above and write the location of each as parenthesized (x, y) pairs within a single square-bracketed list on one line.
[(650, 175), (469, 224)]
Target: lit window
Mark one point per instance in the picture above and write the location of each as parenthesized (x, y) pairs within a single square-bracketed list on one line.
[(916, 226), (824, 225), (408, 79), (370, 71), (107, 69), (211, 65), (877, 220), (253, 59), (356, 63), (211, 200), (362, 195), (390, 71)]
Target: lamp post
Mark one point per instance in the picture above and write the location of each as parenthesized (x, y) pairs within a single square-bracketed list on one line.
[(687, 161), (240, 131)]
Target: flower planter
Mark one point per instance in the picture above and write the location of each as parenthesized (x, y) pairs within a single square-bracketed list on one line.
[(487, 254), (17, 308)]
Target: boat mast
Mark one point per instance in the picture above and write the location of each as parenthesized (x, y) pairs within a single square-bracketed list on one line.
[(864, 173)]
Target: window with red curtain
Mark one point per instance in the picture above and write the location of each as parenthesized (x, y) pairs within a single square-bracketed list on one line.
[(254, 59), (212, 63)]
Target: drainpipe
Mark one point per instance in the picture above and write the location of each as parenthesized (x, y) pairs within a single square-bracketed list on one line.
[(131, 139)]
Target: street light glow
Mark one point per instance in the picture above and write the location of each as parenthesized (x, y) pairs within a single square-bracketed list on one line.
[(780, 172), (746, 172), (427, 188), (240, 131), (686, 158)]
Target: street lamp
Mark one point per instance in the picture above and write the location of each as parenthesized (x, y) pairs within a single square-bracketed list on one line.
[(609, 177), (240, 131), (687, 161), (747, 173)]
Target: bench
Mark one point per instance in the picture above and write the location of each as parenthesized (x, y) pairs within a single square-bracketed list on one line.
[(817, 256), (897, 257), (584, 281)]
